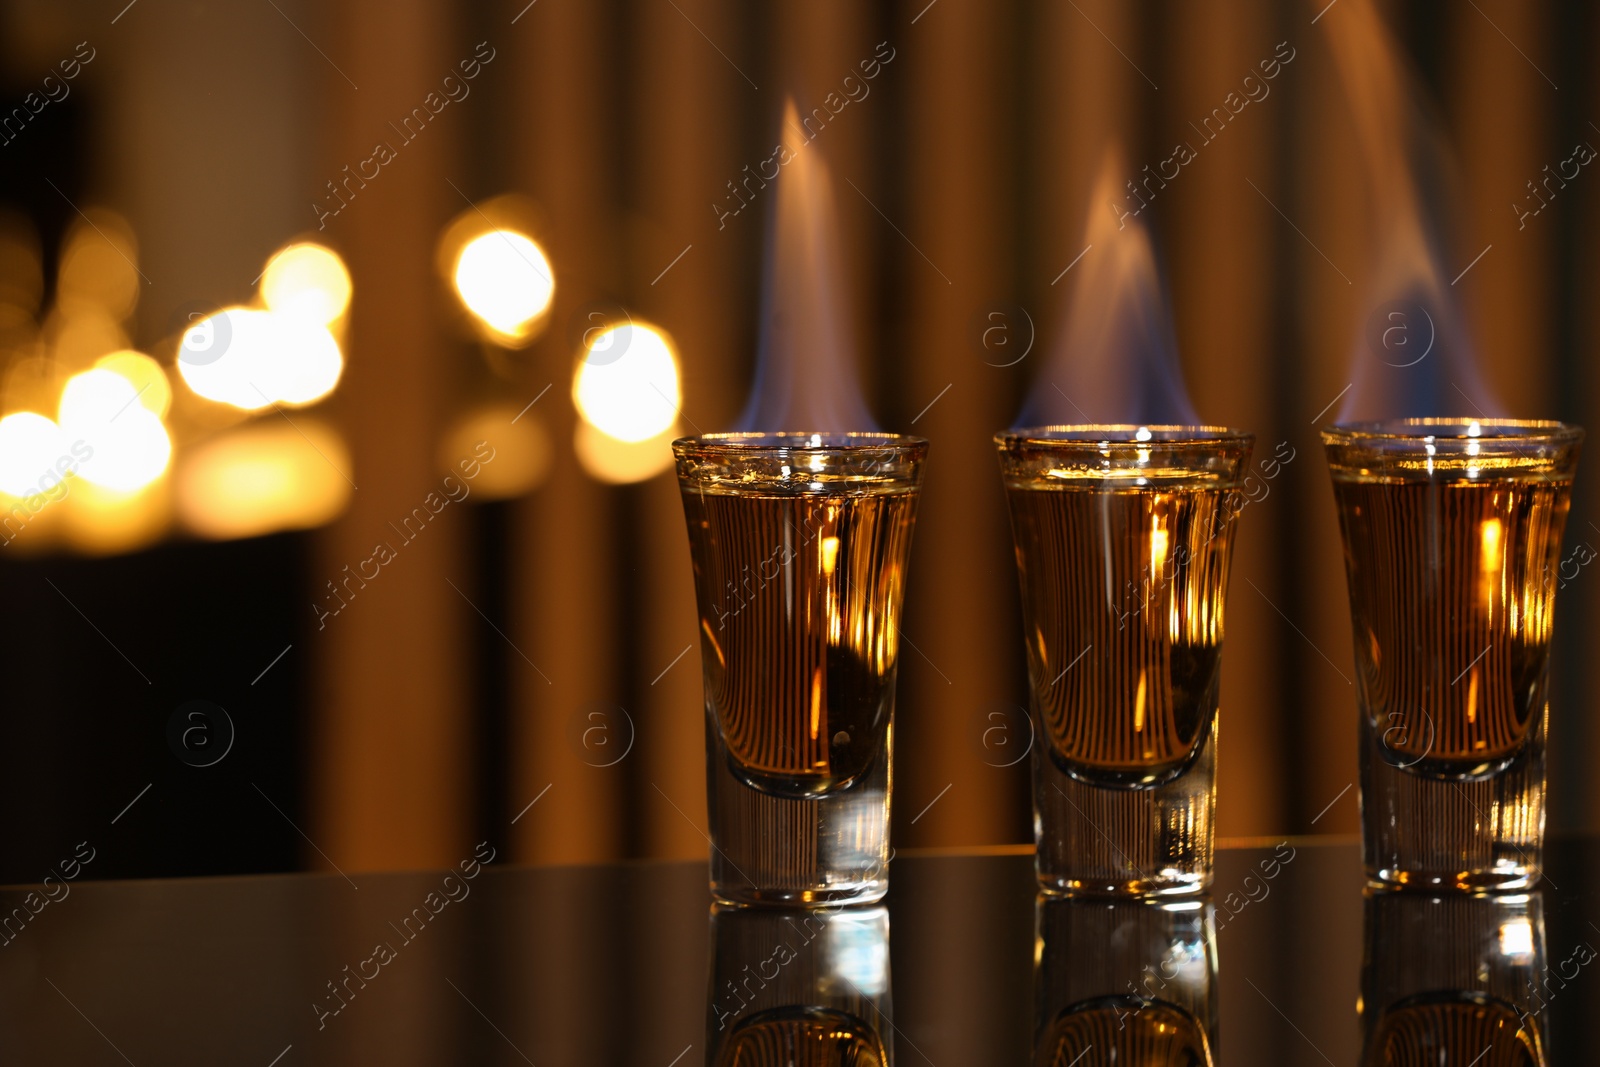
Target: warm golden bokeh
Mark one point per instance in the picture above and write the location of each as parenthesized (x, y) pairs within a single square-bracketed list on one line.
[(263, 477), (522, 449), (626, 385), (504, 279), (145, 375), (250, 359), (617, 462), (130, 448), (307, 281)]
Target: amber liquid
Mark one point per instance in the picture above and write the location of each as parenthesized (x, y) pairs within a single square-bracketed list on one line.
[(1452, 592), (1122, 595), (799, 597)]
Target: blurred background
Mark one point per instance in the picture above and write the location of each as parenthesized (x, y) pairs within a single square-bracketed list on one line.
[(369, 559)]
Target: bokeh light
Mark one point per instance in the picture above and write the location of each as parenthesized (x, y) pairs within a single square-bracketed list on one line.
[(77, 338), (21, 278), (251, 359), (31, 446), (627, 384), (97, 520), (217, 356), (31, 383), (505, 280), (302, 363), (99, 267), (618, 462), (129, 447), (520, 444), (147, 376), (307, 281), (262, 478)]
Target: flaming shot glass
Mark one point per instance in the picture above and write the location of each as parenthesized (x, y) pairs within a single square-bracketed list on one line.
[(1452, 545), (1124, 536), (800, 544)]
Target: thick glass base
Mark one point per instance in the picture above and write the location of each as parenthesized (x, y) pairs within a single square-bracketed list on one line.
[(784, 851), (740, 895), (1150, 841), (1128, 888), (1135, 887), (1507, 878), (1472, 834)]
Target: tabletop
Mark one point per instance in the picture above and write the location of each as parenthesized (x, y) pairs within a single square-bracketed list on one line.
[(1287, 961)]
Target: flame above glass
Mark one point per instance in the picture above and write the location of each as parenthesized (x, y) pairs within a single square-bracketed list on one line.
[(1415, 355), (1117, 358), (806, 375)]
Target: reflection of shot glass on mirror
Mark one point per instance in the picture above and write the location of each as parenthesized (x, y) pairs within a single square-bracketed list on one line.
[(1456, 979), (1452, 535), (1121, 982), (1124, 536), (800, 544), (799, 987)]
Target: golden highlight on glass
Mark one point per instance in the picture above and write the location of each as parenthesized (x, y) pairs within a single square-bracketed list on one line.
[(1452, 533), (1124, 536), (800, 544)]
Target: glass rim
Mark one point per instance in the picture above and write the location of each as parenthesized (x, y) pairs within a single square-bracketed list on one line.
[(1458, 428), (1095, 436), (771, 442)]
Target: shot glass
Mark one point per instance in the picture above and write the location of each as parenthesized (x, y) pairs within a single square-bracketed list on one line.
[(800, 544), (1120, 982), (1457, 979), (1124, 535), (799, 987), (1452, 545)]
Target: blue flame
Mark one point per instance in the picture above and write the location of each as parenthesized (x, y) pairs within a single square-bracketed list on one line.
[(1415, 356), (1117, 359), (806, 362)]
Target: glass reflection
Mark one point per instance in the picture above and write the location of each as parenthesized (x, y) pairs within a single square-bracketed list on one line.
[(799, 988), (1457, 979), (1125, 982)]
